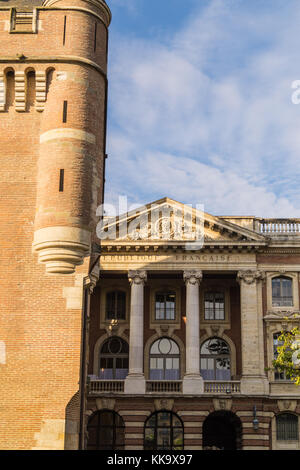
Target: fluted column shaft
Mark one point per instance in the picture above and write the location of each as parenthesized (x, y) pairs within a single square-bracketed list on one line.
[(193, 382), (135, 381)]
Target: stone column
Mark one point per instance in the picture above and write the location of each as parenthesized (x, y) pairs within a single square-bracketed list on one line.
[(192, 381), (135, 381), (254, 380)]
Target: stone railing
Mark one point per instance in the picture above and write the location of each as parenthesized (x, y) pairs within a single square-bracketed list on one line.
[(222, 387), (164, 386), (100, 386), (279, 226), (97, 386)]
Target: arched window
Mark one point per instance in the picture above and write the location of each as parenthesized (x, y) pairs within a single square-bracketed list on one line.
[(278, 375), (114, 356), (282, 291), (116, 305), (163, 431), (215, 360), (165, 305), (106, 431), (287, 427), (164, 360)]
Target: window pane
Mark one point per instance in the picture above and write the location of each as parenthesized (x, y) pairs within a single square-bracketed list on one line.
[(149, 439), (177, 439), (163, 439), (164, 346), (164, 419), (121, 305), (110, 305)]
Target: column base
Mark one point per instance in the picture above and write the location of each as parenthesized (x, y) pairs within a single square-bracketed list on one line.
[(193, 384), (254, 385), (135, 384)]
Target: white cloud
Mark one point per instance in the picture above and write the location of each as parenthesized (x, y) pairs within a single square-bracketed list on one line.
[(187, 125)]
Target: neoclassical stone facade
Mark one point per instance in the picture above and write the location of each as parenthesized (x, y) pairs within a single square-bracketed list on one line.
[(198, 329)]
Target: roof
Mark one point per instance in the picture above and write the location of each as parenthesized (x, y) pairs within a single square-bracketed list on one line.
[(21, 3), (25, 3)]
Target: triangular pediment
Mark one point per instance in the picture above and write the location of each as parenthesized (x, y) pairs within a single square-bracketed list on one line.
[(167, 220)]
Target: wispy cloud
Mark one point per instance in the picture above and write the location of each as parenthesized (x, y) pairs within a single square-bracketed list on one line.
[(207, 116)]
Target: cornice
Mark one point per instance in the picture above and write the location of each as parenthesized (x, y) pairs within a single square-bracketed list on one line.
[(52, 60)]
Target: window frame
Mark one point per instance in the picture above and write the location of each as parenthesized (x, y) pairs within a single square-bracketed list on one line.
[(296, 426), (214, 293), (214, 358), (114, 426), (164, 293), (295, 291), (157, 286), (113, 356), (108, 286), (170, 428), (164, 357), (279, 299), (115, 293)]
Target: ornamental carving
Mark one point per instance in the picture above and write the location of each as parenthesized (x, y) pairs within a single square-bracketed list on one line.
[(192, 277), (249, 276), (137, 277), (164, 404), (105, 403)]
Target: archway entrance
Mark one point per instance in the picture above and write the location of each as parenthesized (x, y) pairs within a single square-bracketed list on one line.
[(222, 430)]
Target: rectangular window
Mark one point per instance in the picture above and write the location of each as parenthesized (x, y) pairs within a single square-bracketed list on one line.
[(116, 305), (64, 33), (165, 306), (65, 110), (287, 427), (95, 37), (61, 180), (214, 306), (282, 292)]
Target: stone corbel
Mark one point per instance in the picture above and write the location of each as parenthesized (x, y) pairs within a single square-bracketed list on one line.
[(163, 404), (222, 404), (287, 405), (105, 403), (91, 280)]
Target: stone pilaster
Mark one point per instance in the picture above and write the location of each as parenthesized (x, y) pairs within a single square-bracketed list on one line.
[(254, 380), (192, 381), (135, 381)]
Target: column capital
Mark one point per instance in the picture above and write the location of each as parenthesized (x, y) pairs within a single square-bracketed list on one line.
[(249, 276), (192, 277), (137, 277)]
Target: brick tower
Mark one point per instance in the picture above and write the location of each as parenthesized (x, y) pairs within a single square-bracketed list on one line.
[(53, 88)]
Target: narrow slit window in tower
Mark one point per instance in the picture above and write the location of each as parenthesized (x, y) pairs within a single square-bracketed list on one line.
[(65, 109), (61, 180)]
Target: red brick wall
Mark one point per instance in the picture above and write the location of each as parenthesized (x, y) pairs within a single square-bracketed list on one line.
[(40, 372)]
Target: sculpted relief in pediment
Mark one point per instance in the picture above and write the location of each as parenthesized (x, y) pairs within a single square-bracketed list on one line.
[(173, 223)]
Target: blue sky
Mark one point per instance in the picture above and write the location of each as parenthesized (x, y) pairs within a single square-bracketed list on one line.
[(200, 105)]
